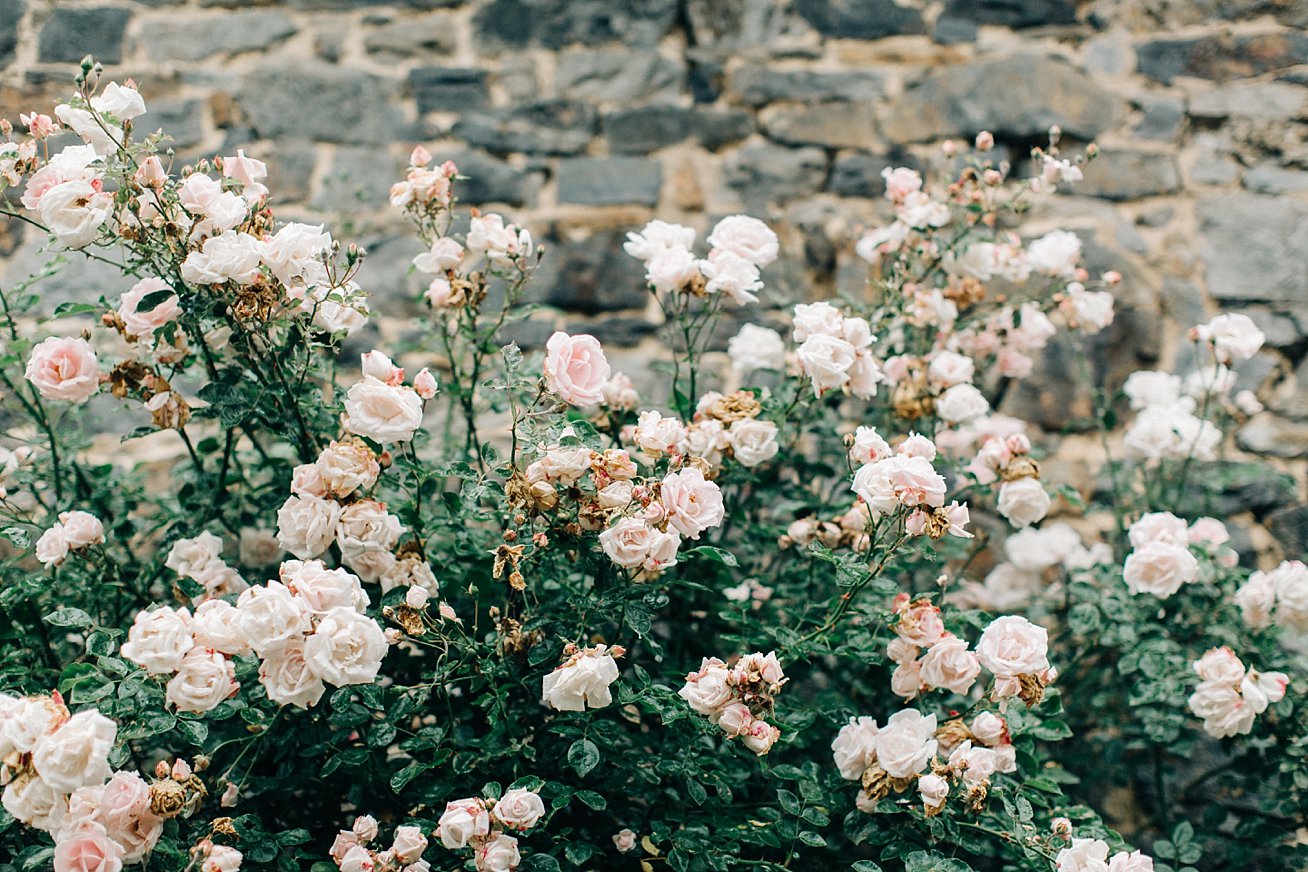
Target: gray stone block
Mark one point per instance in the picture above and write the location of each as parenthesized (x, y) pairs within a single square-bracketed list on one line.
[(758, 85), (1013, 13), (860, 19), (1268, 178), (551, 127), (591, 275), (717, 128), (183, 120), (358, 180), (1290, 528), (1221, 57), (490, 180), (646, 128), (191, 38), (448, 89), (556, 23), (412, 37), (1278, 101), (832, 125), (1255, 247), (72, 34), (1130, 175), (609, 181), (306, 101), (11, 13), (768, 174), (619, 76)]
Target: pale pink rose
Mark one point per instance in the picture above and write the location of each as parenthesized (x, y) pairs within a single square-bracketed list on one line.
[(868, 446), (409, 844), (382, 412), (249, 172), (216, 625), (139, 323), (519, 809), (627, 542), (755, 348), (159, 639), (77, 753), (35, 803), (124, 809), (1013, 363), (915, 481), (345, 648), (949, 664), (74, 212), (657, 434), (731, 274), (1220, 665), (499, 854), (463, 821), (306, 525), (1011, 646), (286, 676), (358, 859), (222, 858), (760, 736), (747, 238), (826, 360), (228, 257), (81, 529), (365, 526), (624, 841), (1256, 598), (1089, 311), (948, 368), (933, 789), (989, 729), (1208, 532), (190, 557), (1159, 527), (919, 621), (1159, 568), (345, 467), (1224, 711), (855, 747), (270, 615), (901, 650), (976, 764), (52, 547), (445, 254), (1291, 580), (576, 369), (814, 319), (501, 242), (87, 849), (917, 445), (671, 269), (377, 365), (657, 236), (1132, 862), (324, 589), (753, 442), (961, 403), (906, 743), (73, 163), (906, 679), (900, 182), (663, 549), (1056, 253), (1023, 501), (1083, 855), (582, 682), (693, 504), (424, 383), (204, 679), (204, 199), (64, 368), (307, 481)]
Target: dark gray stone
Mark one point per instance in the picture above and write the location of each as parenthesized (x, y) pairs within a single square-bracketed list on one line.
[(193, 38), (1224, 488), (1130, 175), (618, 331), (412, 37), (609, 181), (1013, 13), (556, 23), (306, 100), (348, 4), (1221, 57), (646, 128), (72, 34), (832, 125), (1021, 96), (860, 19), (558, 127), (182, 120), (448, 89), (727, 25), (767, 174), (855, 174), (11, 12), (591, 275), (621, 76), (953, 31), (758, 85), (358, 180), (490, 180), (717, 128), (527, 335), (1290, 527), (1161, 118), (387, 274), (1255, 247), (705, 75)]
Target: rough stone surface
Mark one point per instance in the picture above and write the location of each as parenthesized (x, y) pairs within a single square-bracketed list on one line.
[(556, 23), (592, 277), (1130, 175), (72, 34), (859, 175), (609, 181), (1255, 248), (412, 37), (1012, 13), (11, 12), (357, 181), (758, 85), (1221, 57), (305, 101), (1270, 100), (491, 180), (620, 76), (833, 125), (775, 174), (860, 19), (645, 129), (1290, 527), (1020, 96), (448, 89), (548, 127), (183, 39)]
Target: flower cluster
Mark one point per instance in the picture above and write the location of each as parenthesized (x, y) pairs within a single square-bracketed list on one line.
[(1280, 595), (835, 350), (582, 680), (75, 532), (353, 849), (904, 478), (1160, 560), (1091, 855), (948, 663), (480, 824), (1229, 696), (200, 559), (739, 247), (739, 698), (381, 407), (1007, 459)]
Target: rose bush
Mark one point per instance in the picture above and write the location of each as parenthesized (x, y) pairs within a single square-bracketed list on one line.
[(810, 603)]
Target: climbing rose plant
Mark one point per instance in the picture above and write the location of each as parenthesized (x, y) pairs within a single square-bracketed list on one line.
[(449, 604)]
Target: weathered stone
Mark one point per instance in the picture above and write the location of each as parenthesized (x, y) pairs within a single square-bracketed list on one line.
[(758, 85), (11, 12), (1221, 57), (556, 23), (1212, 168), (617, 331), (1013, 13), (1130, 175), (1271, 100), (388, 276), (306, 101), (591, 275), (855, 174), (620, 76), (1022, 96), (705, 75), (72, 34), (517, 77), (833, 125), (1290, 528), (1182, 301), (1268, 178), (860, 19), (1110, 54), (290, 170), (490, 180), (358, 180), (182, 120), (1160, 118), (716, 128), (419, 37), (528, 335), (952, 31), (192, 38), (547, 127), (1255, 248), (609, 181), (1267, 434), (646, 128), (763, 174), (448, 89)]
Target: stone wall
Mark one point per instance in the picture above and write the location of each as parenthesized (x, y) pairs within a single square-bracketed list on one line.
[(584, 118)]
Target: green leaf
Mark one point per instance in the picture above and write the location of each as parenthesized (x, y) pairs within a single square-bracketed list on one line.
[(18, 536), (583, 756), (860, 866), (813, 840), (696, 791), (709, 552), (69, 617), (592, 799)]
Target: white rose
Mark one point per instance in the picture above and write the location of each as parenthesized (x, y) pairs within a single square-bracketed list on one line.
[(216, 625), (693, 503), (747, 238), (345, 467), (120, 101), (627, 542), (826, 360), (1291, 579), (52, 547), (949, 368), (204, 679), (989, 728), (324, 589), (409, 844), (445, 254), (813, 319), (1011, 646), (74, 212), (366, 526), (382, 413), (1158, 527), (708, 690), (906, 743), (1234, 336), (357, 859), (286, 677), (1023, 501), (1056, 253), (222, 858), (499, 854), (855, 747), (345, 648), (270, 614), (1220, 666), (753, 442), (657, 236), (34, 802), (306, 525), (228, 257), (1084, 855), (77, 753), (1256, 598), (190, 557), (1159, 568), (961, 403), (582, 682), (462, 821), (159, 639), (949, 664), (756, 347), (293, 254), (933, 789), (976, 764), (1224, 711), (519, 809), (868, 446)]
